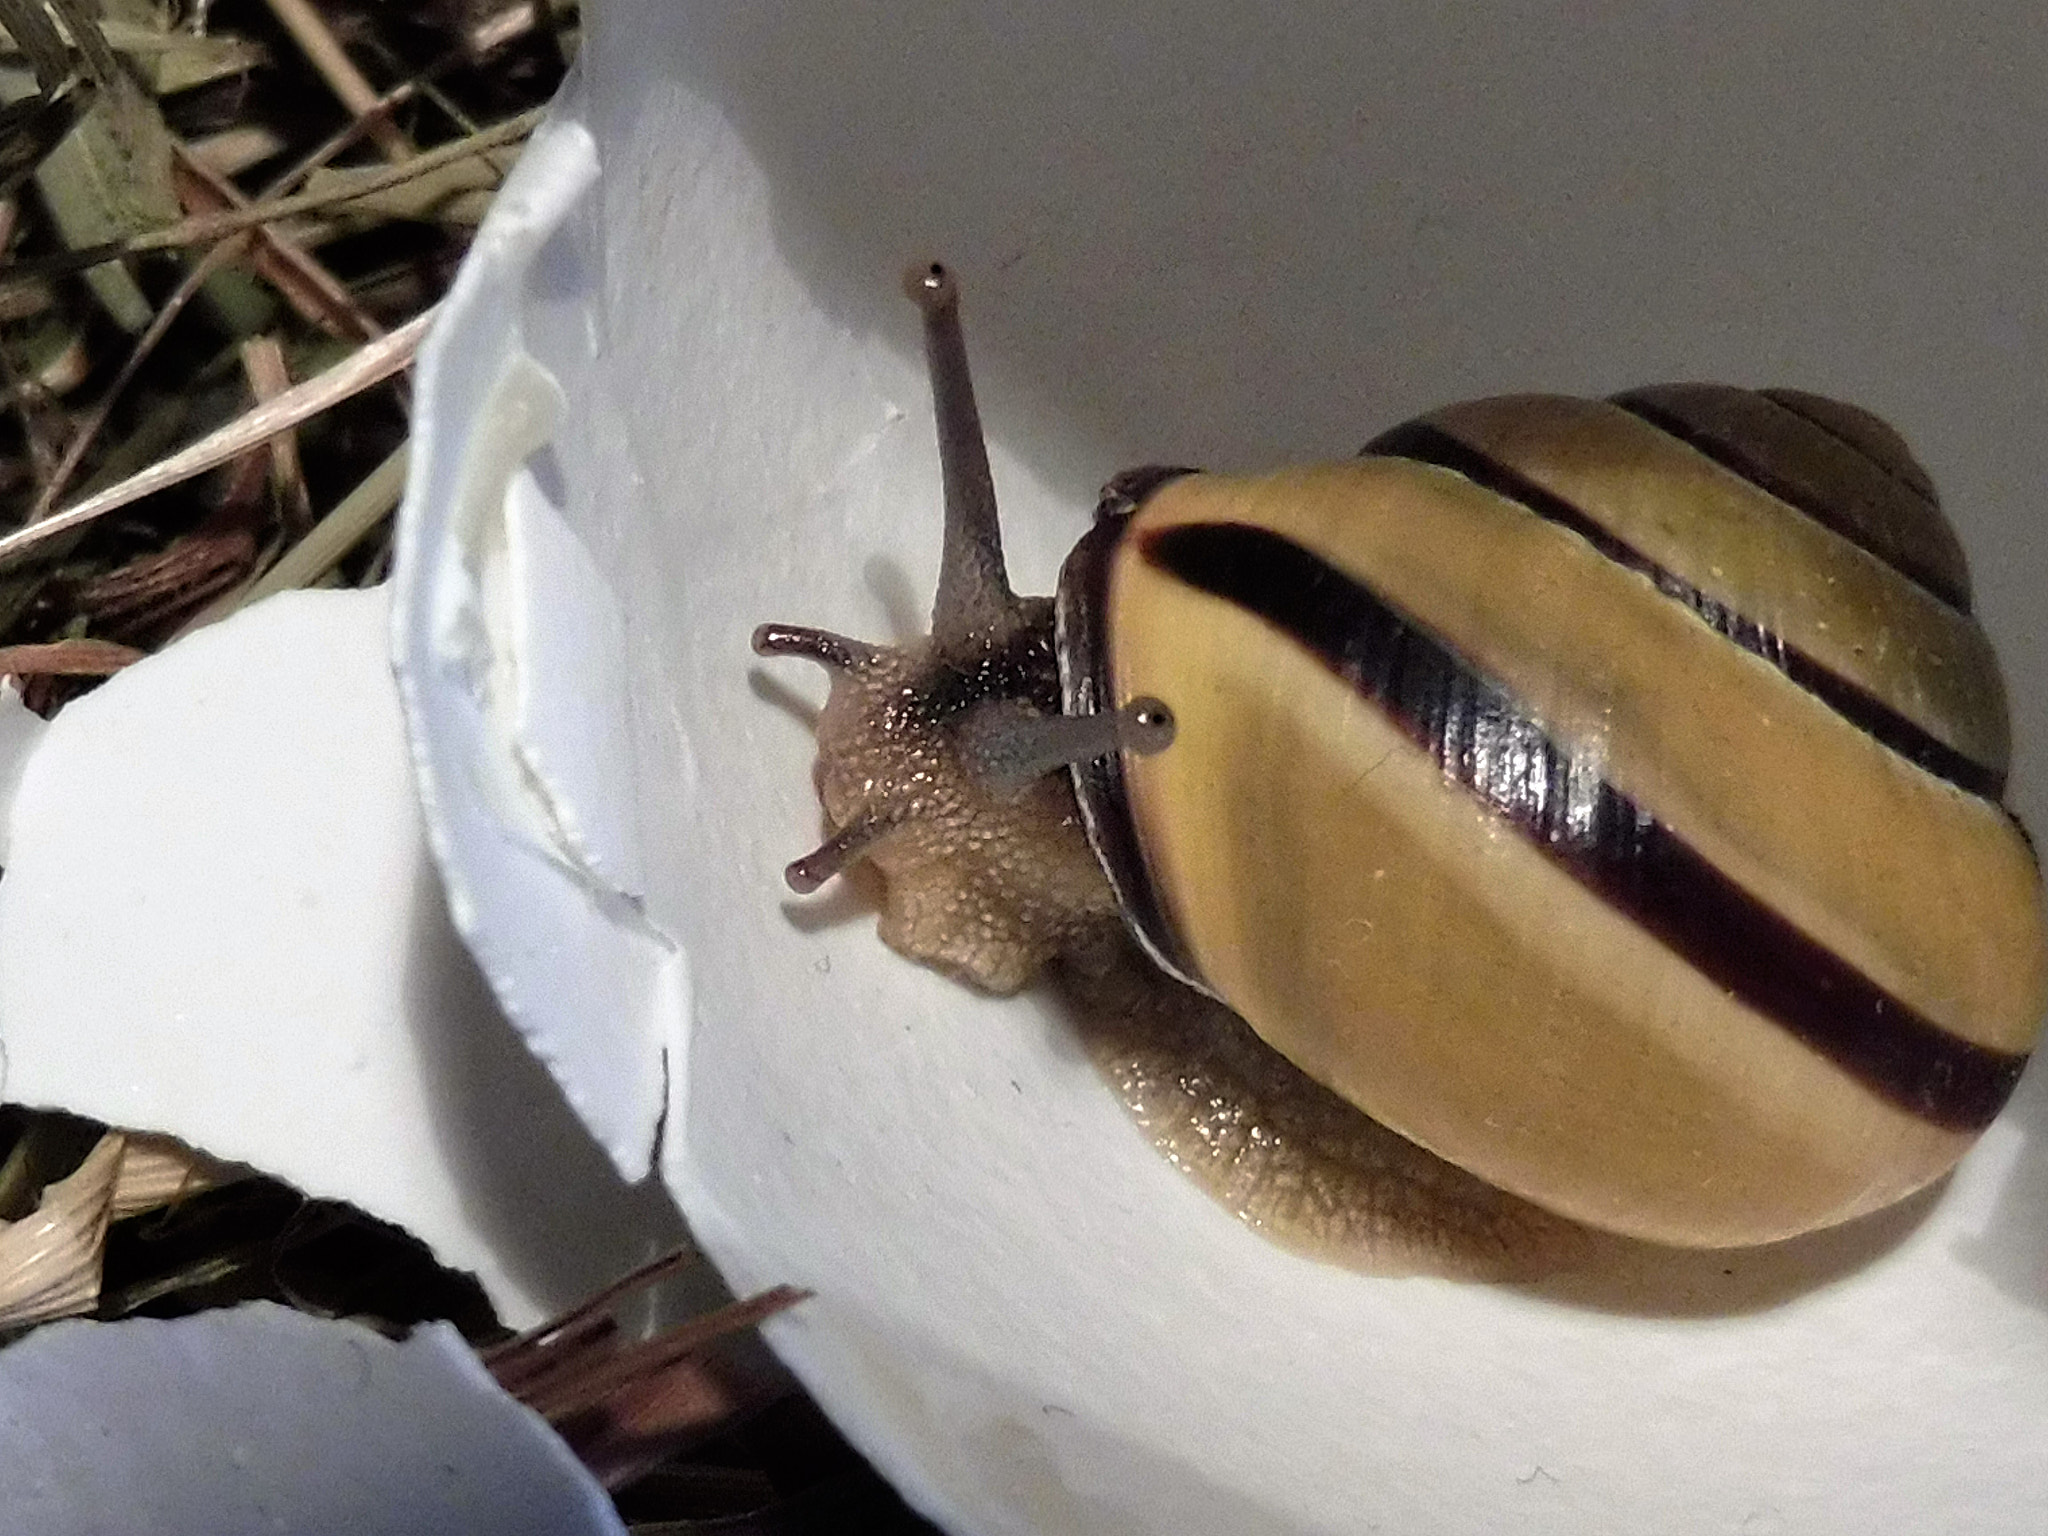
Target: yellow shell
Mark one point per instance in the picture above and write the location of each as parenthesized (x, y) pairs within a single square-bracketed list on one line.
[(1553, 787)]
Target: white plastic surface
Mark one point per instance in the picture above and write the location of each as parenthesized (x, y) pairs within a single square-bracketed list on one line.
[(259, 1420), (1218, 235), (511, 656), (219, 920)]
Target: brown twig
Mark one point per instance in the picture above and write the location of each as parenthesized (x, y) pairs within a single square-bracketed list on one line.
[(135, 600), (566, 1396), (199, 231), (29, 24), (508, 25), (83, 25), (368, 365), (624, 1409), (263, 361), (66, 658), (331, 62), (307, 285), (591, 1307), (87, 430), (321, 550)]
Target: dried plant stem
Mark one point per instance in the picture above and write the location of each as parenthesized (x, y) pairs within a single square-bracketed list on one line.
[(88, 429), (559, 1396), (38, 40), (359, 126), (50, 1260), (494, 32), (81, 22), (231, 151), (333, 536), (322, 549), (368, 365), (269, 377), (67, 658), (305, 283), (551, 1332), (324, 52), (219, 226)]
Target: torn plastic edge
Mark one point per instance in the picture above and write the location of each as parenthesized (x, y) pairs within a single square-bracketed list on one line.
[(282, 1419), (540, 884)]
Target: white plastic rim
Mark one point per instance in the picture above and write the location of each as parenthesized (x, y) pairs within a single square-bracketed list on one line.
[(256, 1419), (219, 921), (676, 394)]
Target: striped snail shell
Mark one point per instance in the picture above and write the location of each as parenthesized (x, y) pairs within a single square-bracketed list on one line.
[(1602, 794)]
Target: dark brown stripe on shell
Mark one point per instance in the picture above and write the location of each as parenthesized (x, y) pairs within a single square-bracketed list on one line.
[(1081, 641), (1799, 449), (1615, 848), (1425, 444), (1865, 431)]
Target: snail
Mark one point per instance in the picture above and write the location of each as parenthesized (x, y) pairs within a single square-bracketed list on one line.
[(1603, 795)]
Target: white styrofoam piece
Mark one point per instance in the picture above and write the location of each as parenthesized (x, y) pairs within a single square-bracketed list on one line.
[(1270, 236), (258, 1419), (509, 652), (219, 921)]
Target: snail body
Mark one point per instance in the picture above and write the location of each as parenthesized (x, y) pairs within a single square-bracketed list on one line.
[(1601, 794)]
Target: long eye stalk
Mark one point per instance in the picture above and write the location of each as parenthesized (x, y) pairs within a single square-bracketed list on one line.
[(974, 596), (1011, 746), (906, 760), (835, 653), (842, 848)]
